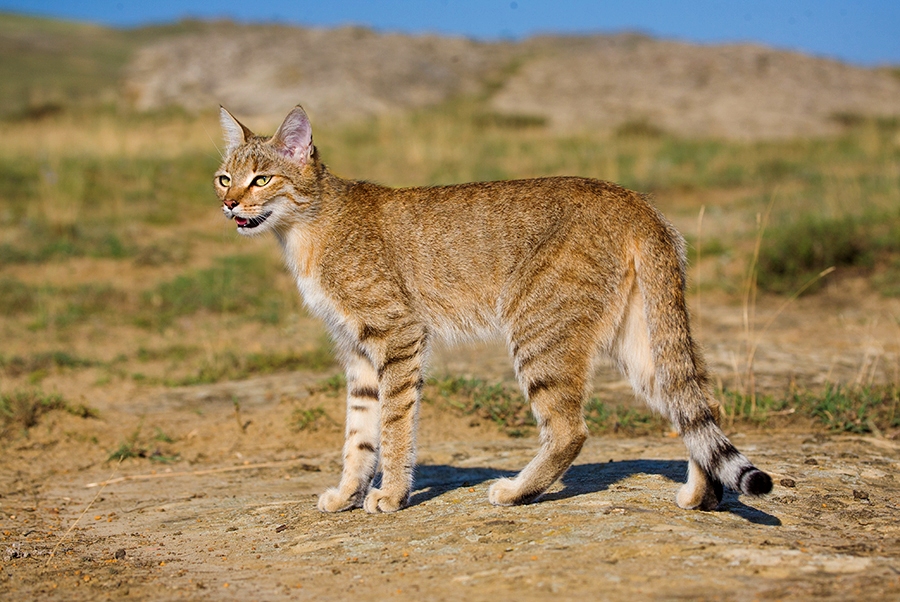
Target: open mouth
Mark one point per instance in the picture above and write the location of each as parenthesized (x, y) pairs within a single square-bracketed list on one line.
[(253, 222)]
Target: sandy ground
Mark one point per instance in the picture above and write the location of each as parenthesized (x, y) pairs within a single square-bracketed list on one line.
[(233, 516)]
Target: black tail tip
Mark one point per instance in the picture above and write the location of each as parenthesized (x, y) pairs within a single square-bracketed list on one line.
[(758, 483)]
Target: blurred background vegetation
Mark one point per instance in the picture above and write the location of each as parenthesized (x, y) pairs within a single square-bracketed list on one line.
[(115, 262)]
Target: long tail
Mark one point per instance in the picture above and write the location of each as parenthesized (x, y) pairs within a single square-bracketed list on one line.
[(681, 386)]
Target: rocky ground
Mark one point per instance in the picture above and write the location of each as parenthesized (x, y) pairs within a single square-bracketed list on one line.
[(234, 516), (248, 529)]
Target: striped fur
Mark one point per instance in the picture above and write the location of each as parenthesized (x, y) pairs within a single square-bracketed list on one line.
[(566, 269)]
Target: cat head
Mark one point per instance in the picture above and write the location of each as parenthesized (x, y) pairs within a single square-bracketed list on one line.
[(267, 183)]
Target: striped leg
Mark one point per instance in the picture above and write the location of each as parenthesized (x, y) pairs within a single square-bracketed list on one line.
[(400, 387), (557, 406), (552, 366), (361, 438)]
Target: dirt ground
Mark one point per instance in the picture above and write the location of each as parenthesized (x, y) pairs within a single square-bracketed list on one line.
[(233, 515)]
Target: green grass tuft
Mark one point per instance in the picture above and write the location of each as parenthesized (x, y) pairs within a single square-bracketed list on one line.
[(509, 121), (16, 297), (758, 409), (854, 409), (19, 365), (502, 405), (303, 419), (24, 409), (229, 366), (333, 385), (887, 282), (639, 128), (871, 409), (794, 253), (129, 448), (87, 300), (42, 242), (175, 353), (162, 436), (601, 419), (133, 448), (238, 284)]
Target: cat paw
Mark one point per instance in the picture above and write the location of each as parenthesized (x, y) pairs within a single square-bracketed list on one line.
[(381, 501), (706, 497), (508, 492), (333, 501)]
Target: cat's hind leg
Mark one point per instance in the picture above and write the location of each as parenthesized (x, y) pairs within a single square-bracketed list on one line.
[(700, 492), (361, 437), (553, 369)]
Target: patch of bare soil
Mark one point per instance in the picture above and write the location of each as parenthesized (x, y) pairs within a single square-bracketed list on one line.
[(222, 503), (739, 91), (343, 73), (602, 82)]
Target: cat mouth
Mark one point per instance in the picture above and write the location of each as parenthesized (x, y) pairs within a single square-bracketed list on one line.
[(243, 222)]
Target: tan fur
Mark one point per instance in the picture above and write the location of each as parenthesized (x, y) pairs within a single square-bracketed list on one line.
[(566, 269)]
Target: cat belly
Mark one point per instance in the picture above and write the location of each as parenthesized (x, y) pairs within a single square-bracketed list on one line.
[(463, 324)]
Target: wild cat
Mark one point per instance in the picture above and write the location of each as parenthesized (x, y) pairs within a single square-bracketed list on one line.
[(566, 269)]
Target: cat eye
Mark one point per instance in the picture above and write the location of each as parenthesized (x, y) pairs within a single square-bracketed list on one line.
[(224, 181), (261, 180)]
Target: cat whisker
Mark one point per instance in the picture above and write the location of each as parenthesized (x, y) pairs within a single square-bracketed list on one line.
[(211, 139)]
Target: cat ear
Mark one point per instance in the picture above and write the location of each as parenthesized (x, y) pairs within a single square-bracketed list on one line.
[(236, 133), (294, 137)]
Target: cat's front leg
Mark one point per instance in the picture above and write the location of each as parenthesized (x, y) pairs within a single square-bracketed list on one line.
[(361, 438), (400, 388)]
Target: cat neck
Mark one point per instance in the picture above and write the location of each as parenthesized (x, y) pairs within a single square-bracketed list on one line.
[(302, 241)]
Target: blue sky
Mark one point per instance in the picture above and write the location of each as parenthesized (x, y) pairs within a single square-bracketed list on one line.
[(865, 32)]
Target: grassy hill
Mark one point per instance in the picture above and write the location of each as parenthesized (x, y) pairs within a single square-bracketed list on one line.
[(117, 270), (570, 84), (48, 65)]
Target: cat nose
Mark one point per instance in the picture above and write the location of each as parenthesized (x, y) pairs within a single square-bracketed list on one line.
[(230, 203)]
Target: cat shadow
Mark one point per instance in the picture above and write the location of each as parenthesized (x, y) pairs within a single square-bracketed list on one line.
[(435, 480)]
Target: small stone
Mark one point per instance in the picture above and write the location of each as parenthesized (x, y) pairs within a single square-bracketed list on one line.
[(120, 554), (811, 461), (860, 495), (13, 551), (787, 483)]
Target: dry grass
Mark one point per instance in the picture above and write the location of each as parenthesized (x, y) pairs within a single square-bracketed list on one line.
[(127, 199), (113, 252), (109, 133)]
